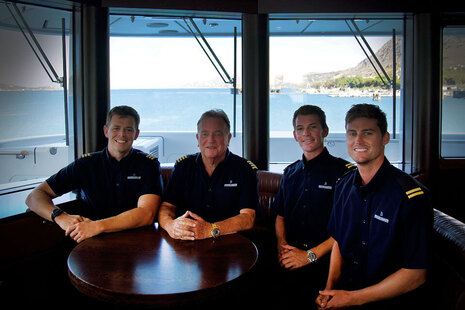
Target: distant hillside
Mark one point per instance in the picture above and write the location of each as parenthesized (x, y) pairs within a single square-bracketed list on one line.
[(364, 69), (453, 62), (6, 87)]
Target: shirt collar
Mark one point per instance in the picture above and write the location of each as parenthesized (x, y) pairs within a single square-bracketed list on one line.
[(114, 161), (377, 180), (309, 164)]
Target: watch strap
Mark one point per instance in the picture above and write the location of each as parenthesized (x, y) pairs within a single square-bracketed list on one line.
[(215, 230), (56, 212)]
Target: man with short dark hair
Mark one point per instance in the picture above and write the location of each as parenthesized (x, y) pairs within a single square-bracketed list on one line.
[(119, 187), (381, 222), (303, 206), (211, 193)]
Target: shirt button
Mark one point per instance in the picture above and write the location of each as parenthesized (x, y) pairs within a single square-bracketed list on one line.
[(208, 206), (364, 243), (306, 189), (364, 221), (209, 189), (304, 206), (117, 184)]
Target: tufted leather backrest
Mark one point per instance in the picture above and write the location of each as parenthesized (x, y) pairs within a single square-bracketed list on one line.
[(268, 186), (447, 273)]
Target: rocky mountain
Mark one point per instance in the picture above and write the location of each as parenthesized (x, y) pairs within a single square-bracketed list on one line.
[(453, 63), (364, 68)]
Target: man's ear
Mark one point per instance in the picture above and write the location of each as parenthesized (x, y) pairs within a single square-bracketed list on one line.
[(386, 138)]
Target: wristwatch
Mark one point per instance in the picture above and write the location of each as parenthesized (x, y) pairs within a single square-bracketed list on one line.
[(56, 213), (311, 256), (215, 231)]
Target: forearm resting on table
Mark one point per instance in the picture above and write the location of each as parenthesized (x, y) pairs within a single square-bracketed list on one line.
[(143, 215), (166, 215), (243, 221)]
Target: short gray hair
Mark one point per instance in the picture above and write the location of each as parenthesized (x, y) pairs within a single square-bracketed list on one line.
[(215, 113)]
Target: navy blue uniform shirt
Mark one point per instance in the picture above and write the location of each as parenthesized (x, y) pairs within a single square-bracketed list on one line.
[(233, 186), (305, 198), (108, 187), (380, 227)]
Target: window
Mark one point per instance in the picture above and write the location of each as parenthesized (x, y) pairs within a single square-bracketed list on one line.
[(171, 70), (453, 92), (34, 105), (334, 64)]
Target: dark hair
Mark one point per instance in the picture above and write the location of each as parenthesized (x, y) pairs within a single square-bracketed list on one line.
[(215, 113), (308, 110), (367, 111), (124, 111)]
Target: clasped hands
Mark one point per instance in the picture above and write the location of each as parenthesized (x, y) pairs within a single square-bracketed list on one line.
[(291, 257), (190, 226), (79, 228)]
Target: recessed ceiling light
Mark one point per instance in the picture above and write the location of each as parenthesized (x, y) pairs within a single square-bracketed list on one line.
[(168, 31), (157, 25)]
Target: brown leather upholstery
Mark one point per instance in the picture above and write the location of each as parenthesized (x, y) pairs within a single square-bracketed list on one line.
[(447, 275)]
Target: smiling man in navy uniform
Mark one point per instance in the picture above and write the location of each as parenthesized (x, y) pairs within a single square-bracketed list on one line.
[(211, 193), (303, 206), (381, 223), (119, 187)]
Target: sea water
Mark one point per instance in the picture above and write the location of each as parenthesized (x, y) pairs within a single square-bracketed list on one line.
[(36, 113)]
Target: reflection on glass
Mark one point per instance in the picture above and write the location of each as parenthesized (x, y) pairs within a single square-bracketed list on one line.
[(453, 92), (324, 63), (171, 76), (33, 133)]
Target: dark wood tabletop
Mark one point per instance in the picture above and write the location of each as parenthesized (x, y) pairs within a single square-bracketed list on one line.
[(146, 266)]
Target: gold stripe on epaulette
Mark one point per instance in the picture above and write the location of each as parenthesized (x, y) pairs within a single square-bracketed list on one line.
[(181, 159), (150, 157), (414, 192), (350, 165), (86, 155), (252, 165)]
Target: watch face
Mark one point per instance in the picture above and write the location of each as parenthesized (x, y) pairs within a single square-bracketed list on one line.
[(311, 256)]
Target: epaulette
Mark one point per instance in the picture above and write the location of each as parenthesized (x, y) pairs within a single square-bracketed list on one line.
[(410, 186), (181, 159), (350, 166), (86, 155), (252, 165), (151, 157)]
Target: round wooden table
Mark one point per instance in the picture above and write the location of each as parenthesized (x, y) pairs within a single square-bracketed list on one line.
[(146, 266)]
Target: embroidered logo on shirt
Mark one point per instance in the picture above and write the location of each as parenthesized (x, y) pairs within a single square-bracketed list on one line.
[(414, 192), (230, 184), (134, 177), (325, 186), (381, 217)]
